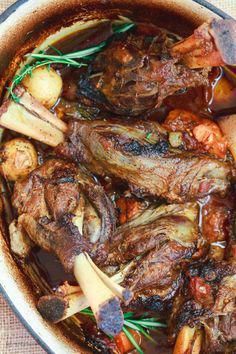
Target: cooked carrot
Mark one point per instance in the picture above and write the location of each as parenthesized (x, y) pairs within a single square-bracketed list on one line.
[(128, 208), (123, 343), (181, 120), (210, 136)]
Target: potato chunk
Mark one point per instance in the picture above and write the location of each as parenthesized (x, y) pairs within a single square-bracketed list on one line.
[(45, 85), (18, 159)]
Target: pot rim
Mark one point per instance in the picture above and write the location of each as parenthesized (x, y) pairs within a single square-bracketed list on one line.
[(3, 17), (11, 9)]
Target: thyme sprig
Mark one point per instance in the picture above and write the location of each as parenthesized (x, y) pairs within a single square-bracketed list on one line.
[(69, 59), (141, 324)]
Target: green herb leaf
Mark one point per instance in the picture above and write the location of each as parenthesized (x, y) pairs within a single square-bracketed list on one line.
[(141, 325), (132, 340), (124, 27), (139, 329), (69, 59), (128, 315), (55, 50), (149, 324), (148, 136)]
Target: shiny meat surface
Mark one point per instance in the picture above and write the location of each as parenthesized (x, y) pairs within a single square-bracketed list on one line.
[(208, 299), (135, 74), (55, 205), (159, 241), (152, 229), (141, 155)]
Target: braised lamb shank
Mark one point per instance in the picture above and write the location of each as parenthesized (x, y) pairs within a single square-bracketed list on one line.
[(142, 156), (134, 75), (64, 210), (160, 240)]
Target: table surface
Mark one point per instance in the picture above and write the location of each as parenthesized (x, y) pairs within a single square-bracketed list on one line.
[(14, 338)]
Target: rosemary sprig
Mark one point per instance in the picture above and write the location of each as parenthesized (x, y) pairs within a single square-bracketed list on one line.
[(28, 70), (132, 340), (69, 59), (141, 325), (75, 55)]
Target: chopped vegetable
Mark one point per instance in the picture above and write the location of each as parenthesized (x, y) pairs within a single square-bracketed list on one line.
[(20, 242), (216, 215), (133, 324), (224, 95), (45, 85), (18, 159), (198, 133), (123, 342), (128, 208), (201, 291), (69, 59), (188, 341), (176, 139), (210, 136), (179, 120)]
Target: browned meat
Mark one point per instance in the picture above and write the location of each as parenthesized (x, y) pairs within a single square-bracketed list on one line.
[(56, 203), (159, 241), (217, 224), (157, 276), (132, 76), (152, 229), (141, 155), (214, 281)]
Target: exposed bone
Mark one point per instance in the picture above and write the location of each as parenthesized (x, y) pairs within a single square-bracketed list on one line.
[(211, 44), (196, 347), (69, 300), (55, 308), (104, 304), (124, 294), (188, 341), (32, 119), (34, 106), (228, 127), (92, 223), (224, 34)]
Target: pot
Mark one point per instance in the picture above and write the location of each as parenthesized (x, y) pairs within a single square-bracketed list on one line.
[(23, 26)]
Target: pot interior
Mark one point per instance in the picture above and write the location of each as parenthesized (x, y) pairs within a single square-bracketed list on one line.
[(25, 29)]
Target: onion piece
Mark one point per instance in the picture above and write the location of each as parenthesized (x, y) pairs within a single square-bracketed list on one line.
[(18, 158), (188, 341), (228, 127)]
